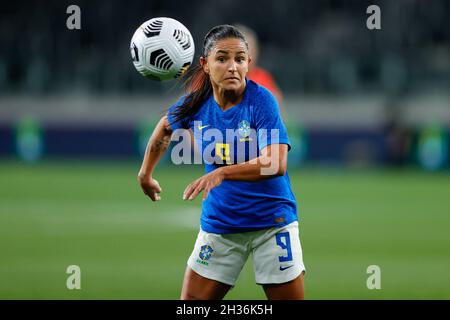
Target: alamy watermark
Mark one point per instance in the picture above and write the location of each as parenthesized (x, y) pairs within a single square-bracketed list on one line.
[(235, 146), (374, 20), (73, 21), (74, 279), (374, 280)]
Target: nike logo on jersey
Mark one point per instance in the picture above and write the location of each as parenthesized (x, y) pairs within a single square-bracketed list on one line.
[(202, 127), (284, 268)]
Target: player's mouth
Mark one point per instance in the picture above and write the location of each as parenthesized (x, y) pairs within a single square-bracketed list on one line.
[(232, 78)]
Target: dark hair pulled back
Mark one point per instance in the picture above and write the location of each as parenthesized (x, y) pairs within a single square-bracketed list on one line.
[(197, 84)]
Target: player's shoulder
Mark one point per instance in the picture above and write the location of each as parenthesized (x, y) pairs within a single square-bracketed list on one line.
[(260, 94), (179, 102)]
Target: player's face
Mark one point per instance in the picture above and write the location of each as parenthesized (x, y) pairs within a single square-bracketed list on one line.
[(227, 64)]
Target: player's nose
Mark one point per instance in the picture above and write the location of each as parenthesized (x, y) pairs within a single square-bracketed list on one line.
[(232, 67)]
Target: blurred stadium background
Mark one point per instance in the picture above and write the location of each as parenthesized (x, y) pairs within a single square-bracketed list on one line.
[(368, 112)]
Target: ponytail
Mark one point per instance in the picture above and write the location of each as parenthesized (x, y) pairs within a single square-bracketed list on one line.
[(198, 88)]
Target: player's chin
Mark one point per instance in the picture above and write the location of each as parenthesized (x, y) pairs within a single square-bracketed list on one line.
[(232, 85)]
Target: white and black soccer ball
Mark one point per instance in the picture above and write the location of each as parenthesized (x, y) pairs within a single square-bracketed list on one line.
[(162, 49)]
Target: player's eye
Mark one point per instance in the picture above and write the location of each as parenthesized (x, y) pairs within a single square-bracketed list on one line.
[(221, 59), (240, 59)]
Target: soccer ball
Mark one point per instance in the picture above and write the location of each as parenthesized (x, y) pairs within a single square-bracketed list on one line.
[(162, 49)]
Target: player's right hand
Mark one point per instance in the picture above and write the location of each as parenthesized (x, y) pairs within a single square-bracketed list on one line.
[(150, 187)]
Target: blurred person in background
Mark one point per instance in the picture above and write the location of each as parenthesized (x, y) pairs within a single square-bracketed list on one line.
[(257, 73), (399, 137), (245, 210)]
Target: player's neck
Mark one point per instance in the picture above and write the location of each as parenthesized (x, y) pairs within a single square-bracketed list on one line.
[(227, 99)]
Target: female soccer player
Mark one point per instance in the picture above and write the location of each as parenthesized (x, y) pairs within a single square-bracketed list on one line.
[(248, 205)]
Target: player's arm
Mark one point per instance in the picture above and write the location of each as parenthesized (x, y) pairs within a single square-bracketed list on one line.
[(271, 163), (156, 147)]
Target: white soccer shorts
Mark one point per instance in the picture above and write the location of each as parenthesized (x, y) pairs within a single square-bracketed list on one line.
[(277, 255)]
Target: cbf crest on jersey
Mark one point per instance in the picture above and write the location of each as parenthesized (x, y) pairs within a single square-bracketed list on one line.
[(204, 255), (244, 131)]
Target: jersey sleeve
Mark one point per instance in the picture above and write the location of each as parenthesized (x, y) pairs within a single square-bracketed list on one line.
[(269, 124), (181, 124)]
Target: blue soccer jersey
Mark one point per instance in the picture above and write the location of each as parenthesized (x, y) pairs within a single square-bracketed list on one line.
[(233, 136)]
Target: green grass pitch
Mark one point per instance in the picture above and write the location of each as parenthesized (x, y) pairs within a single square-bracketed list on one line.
[(58, 214)]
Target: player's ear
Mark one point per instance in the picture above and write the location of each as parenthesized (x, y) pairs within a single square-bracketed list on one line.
[(204, 64)]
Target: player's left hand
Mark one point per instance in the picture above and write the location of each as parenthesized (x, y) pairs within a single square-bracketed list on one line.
[(205, 183)]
